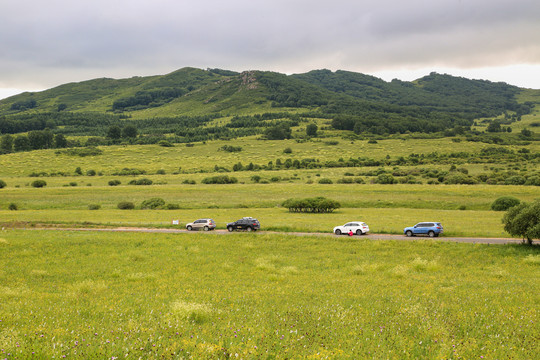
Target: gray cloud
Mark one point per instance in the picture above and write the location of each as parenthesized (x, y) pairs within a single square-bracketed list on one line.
[(49, 43)]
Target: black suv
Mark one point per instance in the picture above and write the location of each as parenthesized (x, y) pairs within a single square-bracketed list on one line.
[(247, 223)]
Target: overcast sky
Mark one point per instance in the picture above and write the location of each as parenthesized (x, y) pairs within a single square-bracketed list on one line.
[(47, 43)]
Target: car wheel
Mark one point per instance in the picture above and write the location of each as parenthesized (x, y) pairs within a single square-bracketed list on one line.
[(206, 228), (338, 232), (408, 233), (358, 232), (249, 228), (431, 234), (189, 228), (230, 228)]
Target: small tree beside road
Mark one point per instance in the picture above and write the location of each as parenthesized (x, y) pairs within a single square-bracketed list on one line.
[(523, 220)]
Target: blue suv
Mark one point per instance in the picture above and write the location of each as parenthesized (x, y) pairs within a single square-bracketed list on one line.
[(431, 229)]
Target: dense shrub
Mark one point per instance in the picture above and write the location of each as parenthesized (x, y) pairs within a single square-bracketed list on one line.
[(311, 205), (504, 203), (325, 181), (128, 172), (351, 181), (91, 173), (13, 206), (172, 206), (154, 203), (143, 181), (533, 180), (385, 179), (2, 184), (189, 182), (287, 150), (165, 143), (220, 179), (39, 183), (94, 207), (126, 205), (311, 130), (114, 182), (515, 180), (230, 148)]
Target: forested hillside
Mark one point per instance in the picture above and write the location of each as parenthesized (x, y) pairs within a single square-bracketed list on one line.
[(193, 104)]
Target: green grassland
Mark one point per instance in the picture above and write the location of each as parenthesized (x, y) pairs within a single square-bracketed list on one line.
[(463, 209), (74, 294), (205, 156), (104, 295)]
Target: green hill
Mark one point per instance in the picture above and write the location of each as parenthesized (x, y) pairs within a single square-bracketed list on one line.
[(192, 98)]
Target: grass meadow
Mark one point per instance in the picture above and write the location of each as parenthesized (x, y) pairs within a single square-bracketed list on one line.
[(96, 295), (463, 209), (205, 156), (206, 296)]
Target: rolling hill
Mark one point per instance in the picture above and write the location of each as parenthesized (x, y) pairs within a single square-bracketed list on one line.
[(193, 98)]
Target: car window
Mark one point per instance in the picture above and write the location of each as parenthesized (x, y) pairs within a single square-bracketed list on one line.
[(354, 224)]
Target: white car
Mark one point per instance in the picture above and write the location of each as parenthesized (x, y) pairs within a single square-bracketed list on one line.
[(357, 228)]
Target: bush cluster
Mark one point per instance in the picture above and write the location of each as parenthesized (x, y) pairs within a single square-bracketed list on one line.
[(311, 205), (39, 183), (230, 148), (126, 205), (114, 182), (154, 203), (129, 172), (143, 181), (220, 179), (504, 203)]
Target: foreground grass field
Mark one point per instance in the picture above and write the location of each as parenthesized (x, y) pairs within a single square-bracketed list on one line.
[(207, 296)]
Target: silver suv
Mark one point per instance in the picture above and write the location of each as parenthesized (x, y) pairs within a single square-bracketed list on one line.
[(204, 224)]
